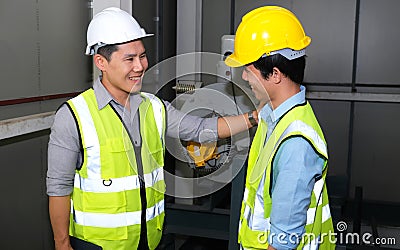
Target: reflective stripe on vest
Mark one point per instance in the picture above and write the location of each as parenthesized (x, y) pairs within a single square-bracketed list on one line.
[(256, 221), (158, 109), (118, 184), (92, 141), (313, 245), (309, 132), (117, 220), (326, 214)]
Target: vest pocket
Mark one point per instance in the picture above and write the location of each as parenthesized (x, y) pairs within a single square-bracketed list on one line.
[(154, 231), (117, 158), (155, 156), (120, 233), (113, 202)]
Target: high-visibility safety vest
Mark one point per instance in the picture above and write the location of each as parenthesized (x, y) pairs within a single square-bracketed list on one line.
[(106, 203), (254, 225)]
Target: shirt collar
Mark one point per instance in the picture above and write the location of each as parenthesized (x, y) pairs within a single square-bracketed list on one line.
[(103, 97), (269, 115)]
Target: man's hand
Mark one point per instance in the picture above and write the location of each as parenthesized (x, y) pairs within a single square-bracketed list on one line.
[(63, 244), (59, 209)]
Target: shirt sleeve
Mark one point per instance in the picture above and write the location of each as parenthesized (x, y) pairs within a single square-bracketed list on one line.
[(190, 128), (63, 154), (295, 167)]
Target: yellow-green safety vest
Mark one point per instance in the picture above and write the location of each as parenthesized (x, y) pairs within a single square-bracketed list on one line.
[(254, 225), (106, 203)]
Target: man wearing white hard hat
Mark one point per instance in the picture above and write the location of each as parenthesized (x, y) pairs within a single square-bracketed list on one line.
[(106, 149)]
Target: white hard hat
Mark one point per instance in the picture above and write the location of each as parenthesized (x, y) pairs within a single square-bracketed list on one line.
[(112, 26)]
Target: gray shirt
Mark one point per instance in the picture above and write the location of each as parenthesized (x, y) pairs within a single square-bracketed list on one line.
[(64, 154)]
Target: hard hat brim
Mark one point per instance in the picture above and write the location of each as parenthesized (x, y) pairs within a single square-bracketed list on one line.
[(233, 62), (89, 50)]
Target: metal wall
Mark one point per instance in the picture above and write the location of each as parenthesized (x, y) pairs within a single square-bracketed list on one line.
[(42, 46), (159, 18)]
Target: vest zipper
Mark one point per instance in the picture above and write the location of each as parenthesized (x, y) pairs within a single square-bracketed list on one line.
[(143, 244)]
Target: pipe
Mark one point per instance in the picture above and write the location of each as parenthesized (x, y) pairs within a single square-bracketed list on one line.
[(37, 98), (352, 104), (355, 49), (158, 19), (232, 24)]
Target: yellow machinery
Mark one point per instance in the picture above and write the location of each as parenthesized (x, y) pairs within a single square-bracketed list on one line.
[(202, 153)]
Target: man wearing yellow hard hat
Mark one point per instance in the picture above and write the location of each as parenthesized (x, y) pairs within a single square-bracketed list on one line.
[(285, 203)]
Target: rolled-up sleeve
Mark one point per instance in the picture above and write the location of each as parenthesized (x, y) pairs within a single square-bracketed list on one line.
[(190, 128), (63, 154), (295, 168)]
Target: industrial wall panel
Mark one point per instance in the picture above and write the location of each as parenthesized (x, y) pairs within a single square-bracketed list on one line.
[(378, 42), (64, 67), (25, 221), (216, 23), (144, 12), (330, 24), (334, 117), (42, 45), (13, 111), (18, 49), (375, 149), (163, 24), (168, 29)]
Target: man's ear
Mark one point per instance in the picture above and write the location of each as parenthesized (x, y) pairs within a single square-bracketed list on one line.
[(276, 75), (100, 61)]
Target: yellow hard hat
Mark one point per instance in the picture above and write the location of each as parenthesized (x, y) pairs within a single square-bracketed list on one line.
[(266, 31)]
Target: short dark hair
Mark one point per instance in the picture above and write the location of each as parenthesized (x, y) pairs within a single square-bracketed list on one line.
[(293, 69), (107, 51)]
